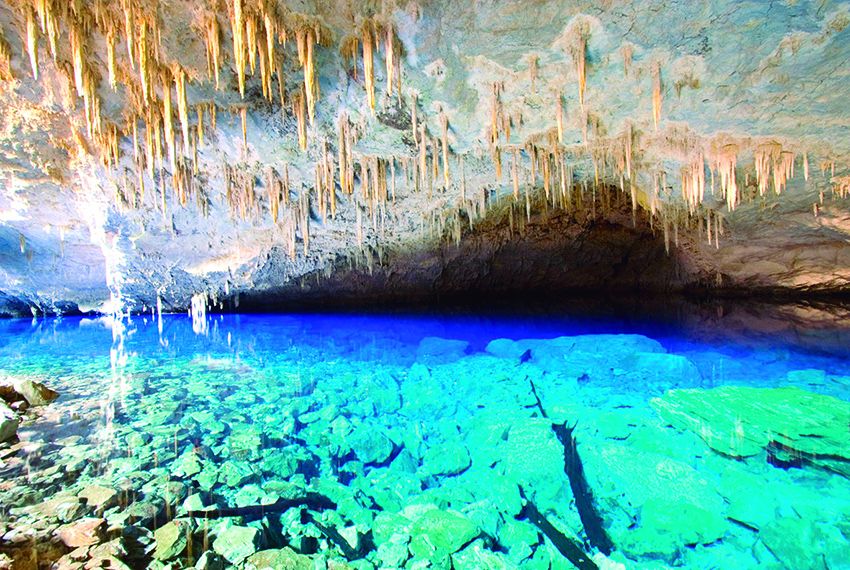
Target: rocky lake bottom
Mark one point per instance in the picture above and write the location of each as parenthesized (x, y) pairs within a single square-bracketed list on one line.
[(332, 442)]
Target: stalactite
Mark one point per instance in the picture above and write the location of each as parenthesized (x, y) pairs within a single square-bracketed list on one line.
[(110, 59), (299, 111), (628, 51), (129, 30), (237, 29), (444, 141), (77, 51), (167, 119), (144, 71), (32, 40), (199, 110), (423, 157), (656, 93), (243, 116), (390, 59), (559, 118), (392, 178), (5, 58), (515, 174), (213, 45), (305, 40), (269, 27), (494, 115), (251, 42), (578, 50), (182, 103), (367, 37)]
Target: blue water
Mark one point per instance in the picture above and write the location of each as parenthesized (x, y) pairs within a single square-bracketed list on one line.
[(404, 414)]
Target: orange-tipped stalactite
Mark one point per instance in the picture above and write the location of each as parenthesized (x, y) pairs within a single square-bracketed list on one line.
[(298, 107), (237, 29), (212, 39), (559, 118), (367, 39), (32, 40), (5, 58), (656, 93), (110, 59), (182, 103)]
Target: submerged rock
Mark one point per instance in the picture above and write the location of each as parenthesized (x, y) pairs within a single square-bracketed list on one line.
[(237, 543), (438, 533), (446, 459), (209, 560), (99, 497), (798, 543), (476, 557), (83, 532), (171, 539), (436, 350), (278, 559), (369, 444), (741, 421), (651, 505)]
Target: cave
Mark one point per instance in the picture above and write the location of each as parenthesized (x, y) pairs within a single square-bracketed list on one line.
[(377, 284)]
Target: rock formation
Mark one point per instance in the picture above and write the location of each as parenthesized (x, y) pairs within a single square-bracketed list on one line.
[(157, 150)]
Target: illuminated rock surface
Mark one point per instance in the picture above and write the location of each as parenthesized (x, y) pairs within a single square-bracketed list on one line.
[(339, 151)]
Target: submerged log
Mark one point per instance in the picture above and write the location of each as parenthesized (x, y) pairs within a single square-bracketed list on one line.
[(590, 518), (312, 501), (565, 545)]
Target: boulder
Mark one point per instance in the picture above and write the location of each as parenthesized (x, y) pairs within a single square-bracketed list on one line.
[(99, 497), (237, 543), (35, 393), (652, 506), (82, 532), (8, 423), (369, 444), (171, 539), (278, 559), (438, 533), (446, 459)]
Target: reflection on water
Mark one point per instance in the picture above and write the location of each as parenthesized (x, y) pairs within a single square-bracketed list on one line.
[(715, 436)]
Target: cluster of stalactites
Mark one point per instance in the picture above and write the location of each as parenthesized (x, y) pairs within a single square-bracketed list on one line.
[(372, 35), (258, 29), (724, 163), (693, 183), (287, 209), (773, 163)]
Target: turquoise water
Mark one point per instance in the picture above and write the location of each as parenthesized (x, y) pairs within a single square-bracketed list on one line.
[(431, 442)]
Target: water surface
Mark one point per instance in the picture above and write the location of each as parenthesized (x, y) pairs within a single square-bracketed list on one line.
[(704, 440)]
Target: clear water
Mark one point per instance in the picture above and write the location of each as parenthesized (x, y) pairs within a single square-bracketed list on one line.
[(430, 449)]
